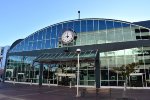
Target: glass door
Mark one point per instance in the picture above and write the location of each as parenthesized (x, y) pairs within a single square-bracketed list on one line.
[(87, 74), (137, 80), (21, 77)]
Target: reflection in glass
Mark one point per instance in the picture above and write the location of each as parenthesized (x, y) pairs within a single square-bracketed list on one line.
[(83, 26), (90, 25)]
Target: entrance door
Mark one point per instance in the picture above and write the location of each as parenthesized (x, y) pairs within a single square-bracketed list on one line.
[(21, 77), (9, 74), (136, 80), (65, 79)]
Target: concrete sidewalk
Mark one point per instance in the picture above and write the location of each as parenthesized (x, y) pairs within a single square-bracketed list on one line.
[(9, 91)]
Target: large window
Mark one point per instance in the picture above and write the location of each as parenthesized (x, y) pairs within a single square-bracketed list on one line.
[(119, 58)]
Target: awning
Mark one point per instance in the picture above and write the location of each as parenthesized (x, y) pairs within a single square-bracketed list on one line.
[(136, 74), (67, 56), (65, 74), (20, 73)]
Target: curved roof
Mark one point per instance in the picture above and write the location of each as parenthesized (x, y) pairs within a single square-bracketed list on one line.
[(15, 43), (143, 23), (135, 23), (125, 22)]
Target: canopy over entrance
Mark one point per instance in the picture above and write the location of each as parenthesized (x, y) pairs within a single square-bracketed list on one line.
[(136, 74), (67, 56), (68, 59)]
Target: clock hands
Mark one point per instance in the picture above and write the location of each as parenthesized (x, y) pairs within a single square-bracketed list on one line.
[(67, 35)]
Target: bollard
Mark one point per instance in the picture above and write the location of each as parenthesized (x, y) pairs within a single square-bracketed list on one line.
[(49, 83), (95, 84), (31, 82), (70, 84), (124, 92), (14, 81), (57, 80), (124, 86)]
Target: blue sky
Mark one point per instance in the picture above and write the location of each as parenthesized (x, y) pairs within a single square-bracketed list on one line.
[(20, 18)]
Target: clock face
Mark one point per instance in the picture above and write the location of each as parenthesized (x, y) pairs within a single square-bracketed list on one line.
[(67, 36)]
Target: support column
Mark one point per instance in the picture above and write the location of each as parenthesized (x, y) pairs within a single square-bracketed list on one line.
[(97, 70), (40, 74)]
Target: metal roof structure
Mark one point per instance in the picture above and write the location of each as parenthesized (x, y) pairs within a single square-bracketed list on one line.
[(67, 56)]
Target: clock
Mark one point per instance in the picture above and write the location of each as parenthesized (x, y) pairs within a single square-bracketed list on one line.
[(67, 36)]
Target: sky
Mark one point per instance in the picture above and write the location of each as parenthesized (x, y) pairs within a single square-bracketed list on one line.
[(20, 18)]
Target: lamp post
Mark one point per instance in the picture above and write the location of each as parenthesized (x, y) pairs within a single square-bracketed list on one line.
[(79, 14), (78, 52)]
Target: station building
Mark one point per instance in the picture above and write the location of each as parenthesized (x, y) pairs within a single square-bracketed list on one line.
[(49, 56)]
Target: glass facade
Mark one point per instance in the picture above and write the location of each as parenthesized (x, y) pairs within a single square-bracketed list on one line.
[(124, 57), (88, 32)]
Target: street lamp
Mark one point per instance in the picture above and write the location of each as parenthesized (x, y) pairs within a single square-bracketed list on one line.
[(78, 52), (79, 14)]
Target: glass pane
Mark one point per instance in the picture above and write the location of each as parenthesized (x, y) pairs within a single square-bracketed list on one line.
[(48, 33), (136, 34), (59, 30), (119, 34), (70, 26), (53, 34), (39, 45), (31, 38), (112, 61), (83, 26), (30, 46), (47, 44), (117, 25), (43, 44), (104, 83), (40, 35), (102, 25), (127, 32), (113, 83), (77, 26), (104, 74), (35, 36), (125, 25), (65, 26), (120, 61), (111, 35), (34, 45), (26, 44), (100, 36), (89, 25), (44, 34), (21, 45), (109, 25), (104, 63), (53, 42), (112, 75), (95, 25)]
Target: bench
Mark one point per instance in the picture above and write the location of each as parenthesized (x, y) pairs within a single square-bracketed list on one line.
[(97, 91)]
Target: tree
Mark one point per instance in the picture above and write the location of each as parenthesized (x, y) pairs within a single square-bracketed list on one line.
[(126, 70)]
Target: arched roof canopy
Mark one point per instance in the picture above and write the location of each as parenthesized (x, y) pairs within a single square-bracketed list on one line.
[(48, 37)]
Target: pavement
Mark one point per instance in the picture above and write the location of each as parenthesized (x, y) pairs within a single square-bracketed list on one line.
[(9, 91)]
